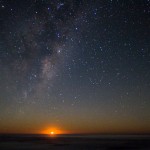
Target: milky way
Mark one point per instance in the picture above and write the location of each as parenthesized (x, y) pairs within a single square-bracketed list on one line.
[(37, 43)]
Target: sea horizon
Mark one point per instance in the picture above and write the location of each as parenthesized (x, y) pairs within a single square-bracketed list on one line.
[(75, 135)]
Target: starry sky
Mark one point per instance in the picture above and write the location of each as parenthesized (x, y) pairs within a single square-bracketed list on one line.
[(78, 66)]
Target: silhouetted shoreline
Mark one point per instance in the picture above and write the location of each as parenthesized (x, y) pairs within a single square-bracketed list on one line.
[(98, 142)]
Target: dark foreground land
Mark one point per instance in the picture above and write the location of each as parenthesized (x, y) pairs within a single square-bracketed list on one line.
[(74, 142)]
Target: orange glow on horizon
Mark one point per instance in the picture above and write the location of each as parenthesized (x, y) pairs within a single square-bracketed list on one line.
[(52, 131)]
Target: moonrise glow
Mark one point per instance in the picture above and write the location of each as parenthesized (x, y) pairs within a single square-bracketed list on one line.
[(75, 66)]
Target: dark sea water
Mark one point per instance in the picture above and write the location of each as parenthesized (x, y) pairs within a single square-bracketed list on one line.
[(74, 142)]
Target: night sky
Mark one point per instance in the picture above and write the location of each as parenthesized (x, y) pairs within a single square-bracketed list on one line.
[(76, 66)]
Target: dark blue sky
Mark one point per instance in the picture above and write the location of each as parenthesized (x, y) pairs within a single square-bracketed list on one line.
[(79, 66)]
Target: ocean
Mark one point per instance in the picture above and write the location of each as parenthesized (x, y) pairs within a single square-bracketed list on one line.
[(74, 142)]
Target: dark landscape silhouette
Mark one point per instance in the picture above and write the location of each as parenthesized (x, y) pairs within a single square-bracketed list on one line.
[(75, 142)]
